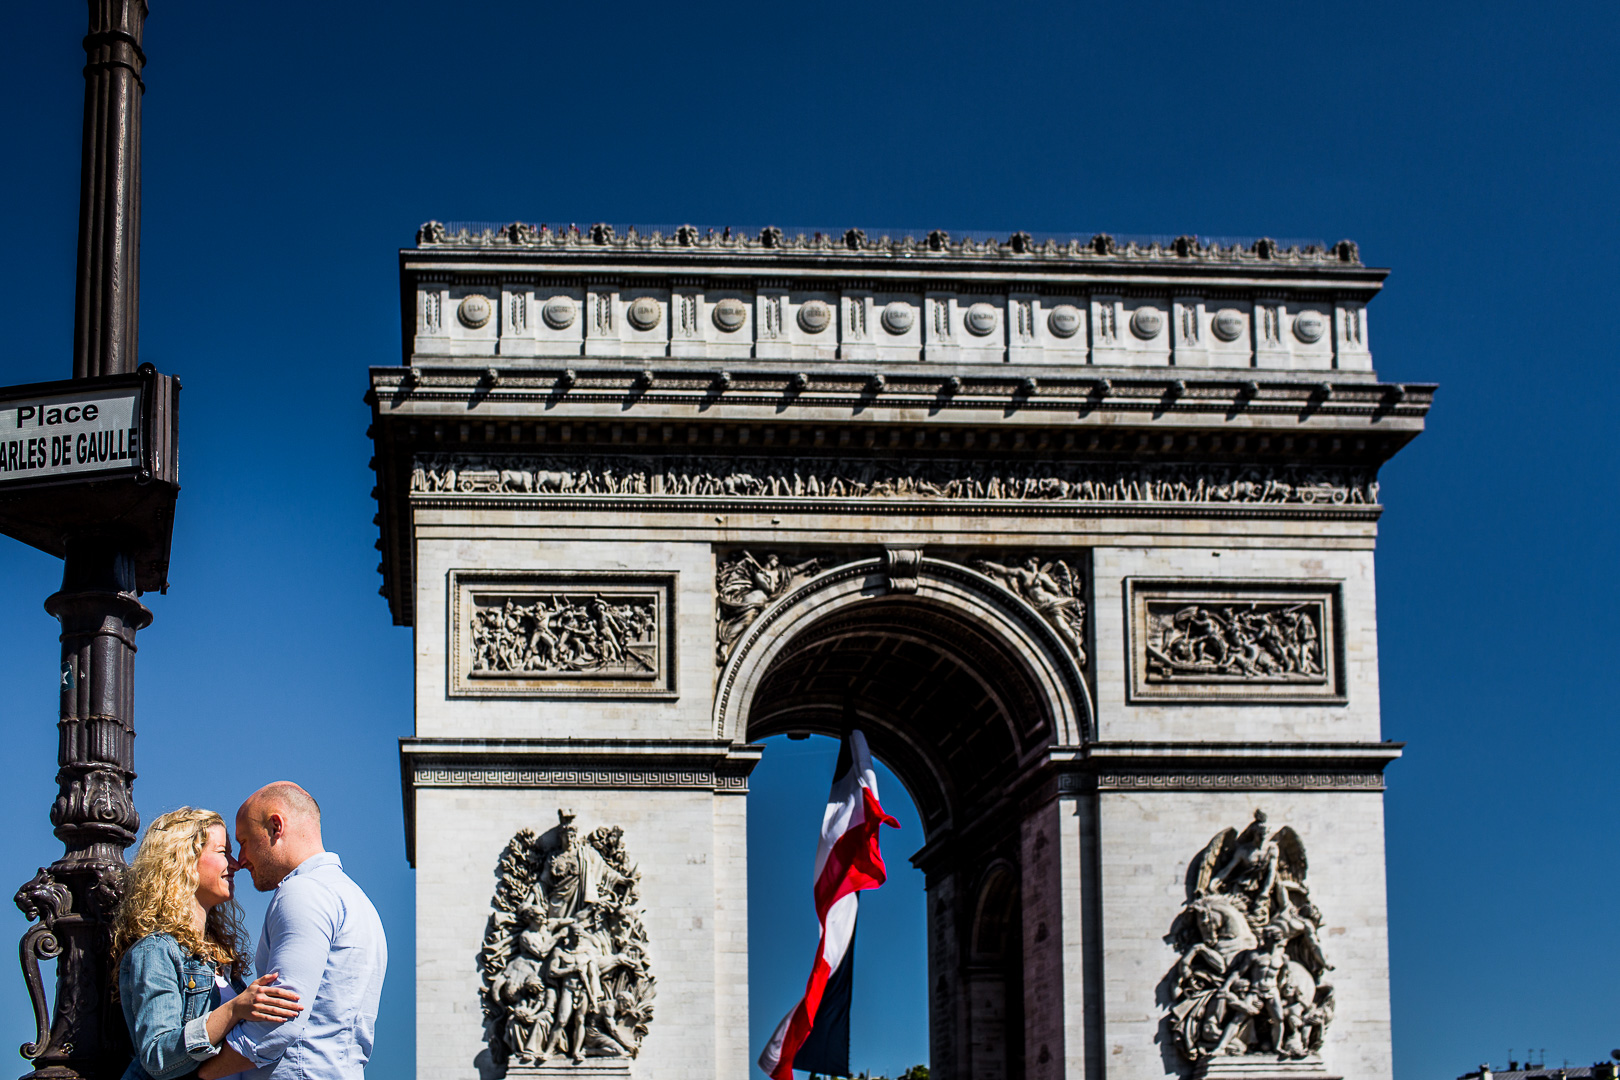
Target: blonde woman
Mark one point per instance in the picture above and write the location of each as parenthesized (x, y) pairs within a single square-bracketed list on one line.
[(180, 951)]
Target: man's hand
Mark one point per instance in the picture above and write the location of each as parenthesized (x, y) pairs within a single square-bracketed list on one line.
[(261, 1001), (226, 1062)]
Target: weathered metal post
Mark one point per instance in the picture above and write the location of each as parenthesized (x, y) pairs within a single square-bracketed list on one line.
[(94, 813)]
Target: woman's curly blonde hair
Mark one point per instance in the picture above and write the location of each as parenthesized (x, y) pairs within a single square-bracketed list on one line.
[(162, 886)]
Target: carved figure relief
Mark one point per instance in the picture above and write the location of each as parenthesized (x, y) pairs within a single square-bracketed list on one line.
[(920, 479), (1053, 588), (564, 966), (1244, 641), (559, 633), (1251, 980), (744, 586), (1254, 640)]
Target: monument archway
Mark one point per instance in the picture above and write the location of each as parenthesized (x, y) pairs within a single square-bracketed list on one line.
[(962, 695), (1082, 532)]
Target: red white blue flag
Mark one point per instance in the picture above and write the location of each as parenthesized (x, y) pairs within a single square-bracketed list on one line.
[(815, 1035)]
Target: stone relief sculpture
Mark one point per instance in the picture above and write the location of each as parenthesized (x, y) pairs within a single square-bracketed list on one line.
[(928, 479), (564, 964), (562, 633), (1054, 589), (744, 587), (1250, 981), (1274, 642)]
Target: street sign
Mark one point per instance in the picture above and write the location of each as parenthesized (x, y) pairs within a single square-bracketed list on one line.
[(79, 434), (95, 456)]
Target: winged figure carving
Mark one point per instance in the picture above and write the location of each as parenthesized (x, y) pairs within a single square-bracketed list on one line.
[(1251, 978)]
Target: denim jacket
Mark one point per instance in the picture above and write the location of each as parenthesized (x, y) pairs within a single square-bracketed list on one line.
[(167, 996)]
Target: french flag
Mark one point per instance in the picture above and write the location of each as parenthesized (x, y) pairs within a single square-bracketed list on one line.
[(815, 1035)]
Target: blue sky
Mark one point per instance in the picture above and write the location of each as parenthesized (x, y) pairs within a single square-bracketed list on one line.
[(290, 151)]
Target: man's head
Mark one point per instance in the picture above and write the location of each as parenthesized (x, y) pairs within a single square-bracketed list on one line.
[(277, 829)]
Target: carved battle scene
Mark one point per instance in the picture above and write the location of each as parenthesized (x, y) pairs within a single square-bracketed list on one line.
[(561, 633), (920, 479), (1278, 642), (564, 966), (1251, 980)]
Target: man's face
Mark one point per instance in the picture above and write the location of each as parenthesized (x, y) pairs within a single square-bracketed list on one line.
[(256, 854)]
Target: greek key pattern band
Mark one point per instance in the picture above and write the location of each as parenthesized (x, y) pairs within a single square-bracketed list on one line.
[(496, 776), (1229, 781)]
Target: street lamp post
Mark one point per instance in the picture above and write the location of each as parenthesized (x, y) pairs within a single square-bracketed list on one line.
[(103, 499)]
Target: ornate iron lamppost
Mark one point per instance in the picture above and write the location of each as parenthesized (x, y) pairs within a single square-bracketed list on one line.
[(98, 488)]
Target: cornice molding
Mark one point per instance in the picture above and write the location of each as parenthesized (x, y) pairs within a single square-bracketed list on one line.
[(687, 242)]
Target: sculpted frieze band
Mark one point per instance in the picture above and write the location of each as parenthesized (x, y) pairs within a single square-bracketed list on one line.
[(929, 480)]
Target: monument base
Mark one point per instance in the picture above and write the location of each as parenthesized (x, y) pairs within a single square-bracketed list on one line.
[(1262, 1067), (592, 1068)]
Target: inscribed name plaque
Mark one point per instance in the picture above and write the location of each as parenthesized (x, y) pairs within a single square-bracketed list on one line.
[(1197, 640), (534, 633)]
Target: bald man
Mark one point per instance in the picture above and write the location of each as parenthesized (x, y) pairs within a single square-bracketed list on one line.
[(321, 935)]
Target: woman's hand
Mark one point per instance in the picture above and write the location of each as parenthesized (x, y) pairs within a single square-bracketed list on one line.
[(261, 1001)]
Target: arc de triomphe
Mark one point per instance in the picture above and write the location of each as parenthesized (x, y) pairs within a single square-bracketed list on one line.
[(1080, 532)]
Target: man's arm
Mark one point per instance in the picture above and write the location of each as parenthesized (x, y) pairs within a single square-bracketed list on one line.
[(298, 932)]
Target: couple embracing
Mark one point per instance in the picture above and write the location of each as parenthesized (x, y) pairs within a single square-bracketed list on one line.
[(185, 982)]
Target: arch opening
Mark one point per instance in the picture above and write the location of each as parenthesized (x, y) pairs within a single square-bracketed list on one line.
[(963, 698)]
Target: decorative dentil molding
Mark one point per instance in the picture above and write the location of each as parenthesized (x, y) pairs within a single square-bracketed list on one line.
[(1251, 979), (688, 240), (565, 972), (920, 479)]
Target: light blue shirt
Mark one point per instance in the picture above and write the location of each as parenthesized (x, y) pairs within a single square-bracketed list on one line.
[(324, 937)]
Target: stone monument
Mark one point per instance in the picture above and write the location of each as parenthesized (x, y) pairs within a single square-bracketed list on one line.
[(1081, 530)]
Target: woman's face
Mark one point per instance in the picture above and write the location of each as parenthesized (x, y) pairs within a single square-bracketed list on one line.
[(215, 868)]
